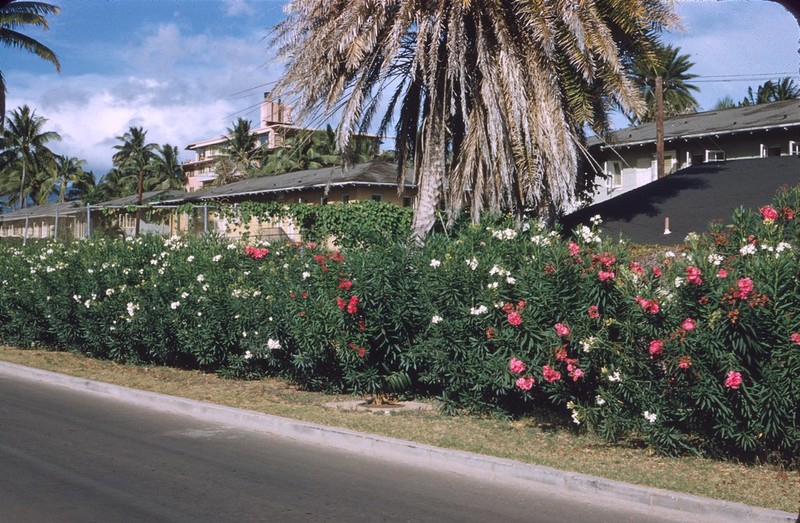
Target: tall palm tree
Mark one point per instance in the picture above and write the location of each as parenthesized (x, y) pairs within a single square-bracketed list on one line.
[(492, 97), (14, 16), (165, 168), (24, 148), (65, 179), (239, 156), (673, 68), (133, 156)]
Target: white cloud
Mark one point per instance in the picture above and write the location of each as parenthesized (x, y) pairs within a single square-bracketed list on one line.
[(239, 8)]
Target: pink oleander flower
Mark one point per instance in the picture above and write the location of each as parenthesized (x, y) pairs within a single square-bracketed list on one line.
[(340, 303), (574, 249), (561, 329), (525, 383), (636, 268), (656, 347), (516, 366), (689, 324), (768, 213), (550, 375), (733, 380), (657, 271), (576, 374), (650, 306), (796, 338), (722, 273), (745, 286), (514, 318), (605, 275), (685, 362), (592, 312), (693, 275)]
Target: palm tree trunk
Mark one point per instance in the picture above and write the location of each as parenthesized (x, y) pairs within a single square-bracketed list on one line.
[(22, 185), (139, 202), (430, 177)]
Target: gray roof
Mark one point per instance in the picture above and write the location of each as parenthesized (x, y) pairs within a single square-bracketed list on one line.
[(366, 174), (711, 123), (150, 197), (42, 211)]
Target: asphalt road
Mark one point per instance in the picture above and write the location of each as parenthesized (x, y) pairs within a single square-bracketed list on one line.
[(69, 456)]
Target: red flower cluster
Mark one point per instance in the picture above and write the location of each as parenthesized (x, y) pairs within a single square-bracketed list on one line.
[(574, 248), (550, 375), (733, 380), (592, 311), (255, 252), (768, 213), (562, 329), (351, 304), (513, 312), (656, 348), (743, 288), (693, 275), (649, 306), (636, 268), (360, 350), (685, 362), (345, 284)]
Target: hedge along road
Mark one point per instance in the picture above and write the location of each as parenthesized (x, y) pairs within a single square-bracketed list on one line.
[(74, 456)]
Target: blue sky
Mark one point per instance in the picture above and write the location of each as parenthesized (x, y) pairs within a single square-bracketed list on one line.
[(185, 69)]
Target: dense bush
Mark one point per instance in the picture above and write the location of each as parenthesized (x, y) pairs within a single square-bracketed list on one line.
[(693, 351)]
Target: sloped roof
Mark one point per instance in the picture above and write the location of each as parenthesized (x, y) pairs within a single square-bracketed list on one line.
[(42, 211), (150, 197), (691, 198), (710, 123), (367, 174)]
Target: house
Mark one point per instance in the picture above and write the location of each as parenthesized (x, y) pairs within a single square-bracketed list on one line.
[(375, 181), (275, 126), (665, 211), (77, 220), (627, 159)]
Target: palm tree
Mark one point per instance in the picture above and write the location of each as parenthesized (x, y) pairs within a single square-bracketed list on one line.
[(673, 68), (14, 16), (24, 147), (133, 157), (726, 102), (492, 97), (165, 167), (308, 150), (66, 179), (239, 156)]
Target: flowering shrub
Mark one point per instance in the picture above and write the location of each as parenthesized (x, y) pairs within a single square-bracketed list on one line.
[(690, 351)]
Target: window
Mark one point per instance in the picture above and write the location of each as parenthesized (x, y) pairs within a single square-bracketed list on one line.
[(715, 156), (774, 150), (406, 201), (345, 198), (794, 148), (376, 197), (323, 201), (614, 173)]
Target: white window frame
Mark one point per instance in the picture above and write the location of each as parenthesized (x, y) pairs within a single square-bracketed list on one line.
[(613, 169), (712, 155), (794, 148)]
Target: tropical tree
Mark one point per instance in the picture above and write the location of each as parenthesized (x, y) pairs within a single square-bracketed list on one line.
[(65, 179), (133, 157), (726, 102), (492, 97), (239, 155), (14, 16), (673, 68), (24, 151), (165, 168), (769, 91), (312, 150)]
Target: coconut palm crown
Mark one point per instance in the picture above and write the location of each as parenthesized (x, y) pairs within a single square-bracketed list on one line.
[(491, 98), (13, 17)]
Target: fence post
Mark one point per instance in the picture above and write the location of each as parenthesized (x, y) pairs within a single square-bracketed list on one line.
[(25, 232), (205, 218), (55, 226), (88, 221)]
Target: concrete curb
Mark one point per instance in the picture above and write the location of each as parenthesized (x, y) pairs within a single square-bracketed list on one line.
[(685, 506)]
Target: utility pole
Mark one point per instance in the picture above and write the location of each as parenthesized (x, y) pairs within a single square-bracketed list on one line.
[(659, 128)]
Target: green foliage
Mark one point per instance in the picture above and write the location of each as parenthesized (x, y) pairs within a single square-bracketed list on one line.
[(696, 351)]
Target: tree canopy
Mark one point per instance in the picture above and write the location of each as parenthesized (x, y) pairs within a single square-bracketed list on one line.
[(491, 98)]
